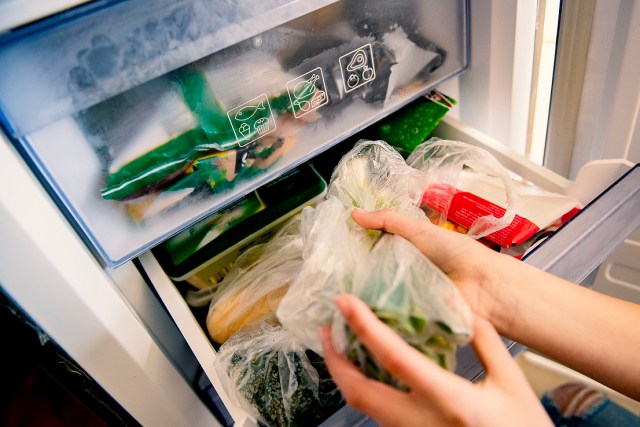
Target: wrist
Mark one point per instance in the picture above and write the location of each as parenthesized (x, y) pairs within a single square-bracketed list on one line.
[(498, 283)]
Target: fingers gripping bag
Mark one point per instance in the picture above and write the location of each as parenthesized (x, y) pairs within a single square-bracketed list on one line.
[(277, 380), (256, 283), (417, 300), (371, 176), (459, 177), (403, 288)]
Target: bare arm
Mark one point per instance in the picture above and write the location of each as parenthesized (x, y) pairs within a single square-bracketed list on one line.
[(582, 329)]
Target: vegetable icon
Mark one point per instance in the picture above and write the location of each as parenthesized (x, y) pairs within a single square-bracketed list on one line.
[(353, 80), (367, 73)]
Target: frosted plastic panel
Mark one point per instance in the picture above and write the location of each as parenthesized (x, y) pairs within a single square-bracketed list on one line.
[(139, 165), (72, 65)]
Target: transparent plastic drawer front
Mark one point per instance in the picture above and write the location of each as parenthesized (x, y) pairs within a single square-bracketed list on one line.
[(144, 122)]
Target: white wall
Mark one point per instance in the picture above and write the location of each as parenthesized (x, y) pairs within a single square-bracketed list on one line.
[(494, 92), (608, 120)]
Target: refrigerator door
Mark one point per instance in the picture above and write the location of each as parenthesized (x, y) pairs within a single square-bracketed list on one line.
[(142, 122)]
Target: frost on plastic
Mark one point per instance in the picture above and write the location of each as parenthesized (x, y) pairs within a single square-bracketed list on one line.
[(403, 288)]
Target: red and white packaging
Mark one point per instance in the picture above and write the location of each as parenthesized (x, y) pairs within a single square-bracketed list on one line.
[(477, 195)]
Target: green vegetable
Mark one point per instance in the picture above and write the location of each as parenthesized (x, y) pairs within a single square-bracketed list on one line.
[(412, 125), (437, 347), (262, 381), (156, 166), (396, 291)]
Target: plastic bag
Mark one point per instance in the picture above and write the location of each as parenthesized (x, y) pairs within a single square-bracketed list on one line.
[(401, 285), (444, 163), (256, 283), (415, 298), (269, 374), (333, 246), (371, 176), (375, 176)]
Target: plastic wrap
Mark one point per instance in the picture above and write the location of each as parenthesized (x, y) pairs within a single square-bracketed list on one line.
[(443, 163), (189, 147), (375, 176), (277, 380), (256, 283), (403, 288)]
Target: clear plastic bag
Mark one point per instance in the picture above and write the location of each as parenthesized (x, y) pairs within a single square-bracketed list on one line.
[(256, 283), (445, 164), (401, 285), (415, 298), (333, 246), (277, 380), (373, 175)]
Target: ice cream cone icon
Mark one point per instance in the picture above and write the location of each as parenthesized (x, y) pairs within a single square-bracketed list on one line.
[(244, 130)]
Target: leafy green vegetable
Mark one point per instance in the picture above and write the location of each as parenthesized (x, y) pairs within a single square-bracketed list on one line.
[(396, 289), (437, 347), (261, 381)]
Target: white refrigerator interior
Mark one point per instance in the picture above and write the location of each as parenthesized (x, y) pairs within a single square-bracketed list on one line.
[(79, 100)]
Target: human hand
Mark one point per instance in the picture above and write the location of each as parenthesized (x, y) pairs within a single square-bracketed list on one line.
[(474, 268), (435, 396)]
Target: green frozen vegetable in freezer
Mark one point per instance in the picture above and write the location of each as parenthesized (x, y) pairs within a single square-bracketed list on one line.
[(412, 125), (280, 382)]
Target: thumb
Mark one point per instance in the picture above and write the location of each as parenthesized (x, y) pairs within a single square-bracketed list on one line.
[(492, 352), (444, 247)]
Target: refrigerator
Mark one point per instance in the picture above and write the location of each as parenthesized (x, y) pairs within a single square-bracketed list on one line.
[(90, 90)]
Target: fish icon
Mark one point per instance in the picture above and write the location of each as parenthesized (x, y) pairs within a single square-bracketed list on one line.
[(245, 113)]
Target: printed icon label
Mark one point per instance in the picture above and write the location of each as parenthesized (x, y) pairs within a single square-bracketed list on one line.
[(252, 120), (357, 68), (307, 92)]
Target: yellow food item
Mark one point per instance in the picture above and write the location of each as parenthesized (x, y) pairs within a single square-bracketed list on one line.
[(230, 314), (454, 227)]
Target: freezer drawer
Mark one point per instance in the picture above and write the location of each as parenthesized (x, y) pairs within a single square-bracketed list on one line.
[(610, 191), (140, 122)]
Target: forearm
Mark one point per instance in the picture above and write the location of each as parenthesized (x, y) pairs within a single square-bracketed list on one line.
[(582, 329), (586, 331)]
